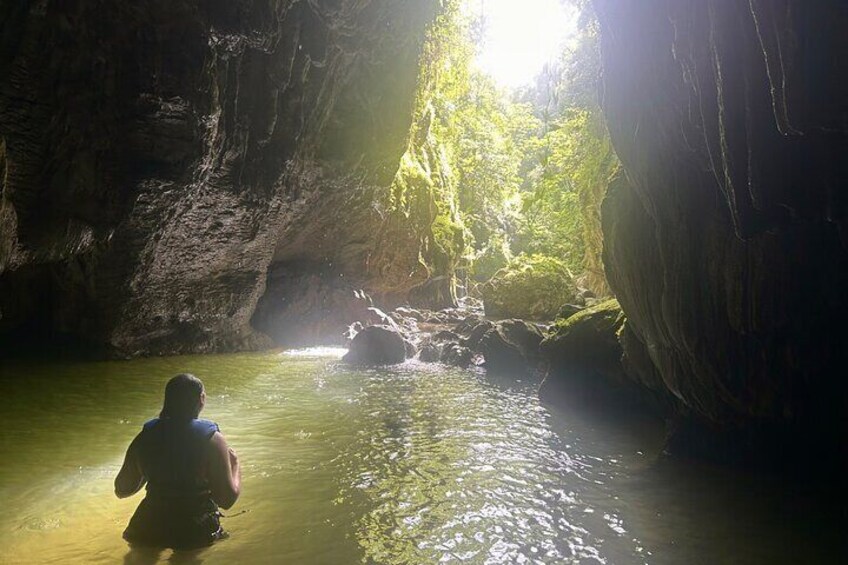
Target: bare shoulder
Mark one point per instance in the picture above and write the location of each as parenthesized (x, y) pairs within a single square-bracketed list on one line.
[(130, 478), (218, 446), (218, 442)]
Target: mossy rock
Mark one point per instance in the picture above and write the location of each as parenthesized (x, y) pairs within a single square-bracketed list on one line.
[(600, 318), (532, 287), (489, 262), (588, 340), (591, 359)]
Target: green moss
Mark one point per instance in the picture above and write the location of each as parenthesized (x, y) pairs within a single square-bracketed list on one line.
[(520, 179), (532, 286), (423, 194), (494, 257), (587, 343), (448, 235), (605, 313)]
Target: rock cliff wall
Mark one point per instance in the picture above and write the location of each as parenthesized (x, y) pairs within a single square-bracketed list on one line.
[(157, 158), (725, 237)]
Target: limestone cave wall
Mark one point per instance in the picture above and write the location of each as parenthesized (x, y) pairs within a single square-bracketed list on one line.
[(725, 236), (157, 158)]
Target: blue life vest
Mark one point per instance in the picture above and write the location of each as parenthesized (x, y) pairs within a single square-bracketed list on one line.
[(173, 454)]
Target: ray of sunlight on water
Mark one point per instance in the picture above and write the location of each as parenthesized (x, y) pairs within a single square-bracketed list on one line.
[(414, 464)]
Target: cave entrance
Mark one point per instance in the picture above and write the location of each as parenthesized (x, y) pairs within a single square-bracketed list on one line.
[(516, 109), (496, 194), (516, 40)]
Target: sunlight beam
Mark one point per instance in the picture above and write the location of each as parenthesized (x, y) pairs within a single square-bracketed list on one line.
[(520, 36)]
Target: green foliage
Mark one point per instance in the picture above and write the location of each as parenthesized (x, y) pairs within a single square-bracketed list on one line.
[(423, 193), (568, 169), (492, 258), (448, 235), (561, 213), (489, 174), (532, 286)]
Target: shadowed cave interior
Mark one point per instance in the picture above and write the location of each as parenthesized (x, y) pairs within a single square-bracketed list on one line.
[(658, 220)]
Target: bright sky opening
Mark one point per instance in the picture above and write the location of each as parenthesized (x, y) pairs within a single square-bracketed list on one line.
[(521, 36)]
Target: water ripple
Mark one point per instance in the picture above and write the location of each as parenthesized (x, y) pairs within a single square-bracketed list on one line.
[(415, 465), (449, 467)]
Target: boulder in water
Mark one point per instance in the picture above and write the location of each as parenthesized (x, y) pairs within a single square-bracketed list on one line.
[(445, 336), (510, 346), (410, 348), (377, 345), (532, 287), (476, 333), (586, 344), (455, 354), (468, 323), (430, 353)]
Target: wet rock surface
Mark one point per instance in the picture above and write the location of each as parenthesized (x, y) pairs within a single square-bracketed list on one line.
[(463, 338), (303, 309), (510, 346), (377, 345), (585, 359), (587, 341), (725, 235), (156, 160)]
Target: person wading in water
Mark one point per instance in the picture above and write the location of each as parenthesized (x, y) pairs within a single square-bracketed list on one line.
[(189, 469)]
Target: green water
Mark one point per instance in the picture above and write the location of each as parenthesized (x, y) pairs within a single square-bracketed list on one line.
[(413, 465)]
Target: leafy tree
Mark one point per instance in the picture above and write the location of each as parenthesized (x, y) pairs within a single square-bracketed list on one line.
[(507, 173), (566, 177)]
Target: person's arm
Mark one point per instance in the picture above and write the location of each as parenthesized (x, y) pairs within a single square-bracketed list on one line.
[(224, 472), (130, 479)]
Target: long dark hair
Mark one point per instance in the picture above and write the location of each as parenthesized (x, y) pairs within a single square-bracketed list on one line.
[(182, 398)]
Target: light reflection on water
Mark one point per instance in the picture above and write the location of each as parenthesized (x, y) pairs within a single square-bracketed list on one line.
[(316, 352), (443, 482), (410, 465)]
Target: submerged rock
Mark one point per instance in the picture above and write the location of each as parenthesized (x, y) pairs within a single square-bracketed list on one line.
[(377, 345), (585, 344), (510, 346)]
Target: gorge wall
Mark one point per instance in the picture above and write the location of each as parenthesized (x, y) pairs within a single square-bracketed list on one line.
[(175, 176), (158, 160), (726, 233)]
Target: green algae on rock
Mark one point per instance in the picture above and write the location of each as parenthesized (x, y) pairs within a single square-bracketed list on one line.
[(532, 287), (588, 340), (586, 359)]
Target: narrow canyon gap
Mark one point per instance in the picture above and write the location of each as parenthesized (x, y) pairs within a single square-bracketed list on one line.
[(173, 173)]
